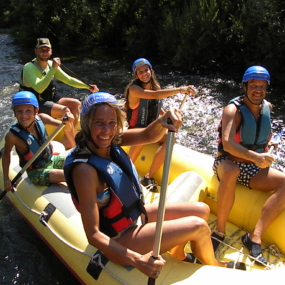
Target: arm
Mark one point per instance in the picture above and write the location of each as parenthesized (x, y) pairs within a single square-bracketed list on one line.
[(68, 129), (154, 131), (86, 176), (33, 78), (231, 119), (6, 159), (48, 120), (138, 92), (71, 81)]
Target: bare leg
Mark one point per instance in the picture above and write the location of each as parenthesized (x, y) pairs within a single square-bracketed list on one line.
[(228, 173), (134, 152), (158, 158), (73, 105), (268, 179), (68, 139), (59, 111), (183, 227), (56, 176)]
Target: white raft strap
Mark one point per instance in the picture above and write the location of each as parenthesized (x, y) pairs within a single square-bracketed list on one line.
[(65, 242), (96, 264), (234, 238)]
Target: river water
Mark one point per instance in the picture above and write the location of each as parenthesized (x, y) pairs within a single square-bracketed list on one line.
[(24, 258)]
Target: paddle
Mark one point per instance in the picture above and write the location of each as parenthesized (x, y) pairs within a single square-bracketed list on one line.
[(69, 72), (38, 152), (163, 192), (276, 139), (183, 102)]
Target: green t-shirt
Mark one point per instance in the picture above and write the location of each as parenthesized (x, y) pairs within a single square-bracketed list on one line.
[(32, 77)]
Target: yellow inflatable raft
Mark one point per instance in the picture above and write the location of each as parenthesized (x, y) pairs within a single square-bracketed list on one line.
[(51, 213)]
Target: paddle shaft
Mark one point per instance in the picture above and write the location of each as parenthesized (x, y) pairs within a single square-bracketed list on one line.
[(34, 157), (162, 198), (276, 139), (183, 102), (69, 72), (163, 192)]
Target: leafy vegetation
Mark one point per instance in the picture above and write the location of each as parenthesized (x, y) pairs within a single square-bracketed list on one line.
[(198, 36)]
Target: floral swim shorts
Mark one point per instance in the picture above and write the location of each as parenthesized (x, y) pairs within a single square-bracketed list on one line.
[(40, 176), (247, 170)]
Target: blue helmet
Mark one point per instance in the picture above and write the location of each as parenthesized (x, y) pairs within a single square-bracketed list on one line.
[(140, 62), (256, 72), (25, 98), (95, 98)]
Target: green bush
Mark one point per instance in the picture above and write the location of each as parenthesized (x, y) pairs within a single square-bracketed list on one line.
[(195, 35)]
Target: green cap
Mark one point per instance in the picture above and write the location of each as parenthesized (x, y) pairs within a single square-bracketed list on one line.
[(43, 42)]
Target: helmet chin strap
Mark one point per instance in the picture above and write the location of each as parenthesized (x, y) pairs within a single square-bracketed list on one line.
[(249, 99), (96, 146), (144, 83), (91, 140), (252, 102), (30, 124)]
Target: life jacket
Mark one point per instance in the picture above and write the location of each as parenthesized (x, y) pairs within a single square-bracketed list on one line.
[(48, 94), (33, 144), (148, 112), (126, 203), (253, 135)]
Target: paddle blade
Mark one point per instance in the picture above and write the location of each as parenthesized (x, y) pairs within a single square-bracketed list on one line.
[(3, 194)]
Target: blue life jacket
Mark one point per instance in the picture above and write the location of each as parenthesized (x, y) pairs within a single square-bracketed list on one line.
[(252, 134), (33, 144), (126, 202)]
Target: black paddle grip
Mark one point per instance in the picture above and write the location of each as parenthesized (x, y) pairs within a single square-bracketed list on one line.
[(169, 122)]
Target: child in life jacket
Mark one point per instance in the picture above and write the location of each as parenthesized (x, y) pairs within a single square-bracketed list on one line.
[(27, 135)]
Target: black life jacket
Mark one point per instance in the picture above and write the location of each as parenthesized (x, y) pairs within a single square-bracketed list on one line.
[(48, 94), (149, 110)]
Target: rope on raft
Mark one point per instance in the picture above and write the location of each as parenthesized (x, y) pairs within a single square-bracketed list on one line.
[(272, 249), (68, 244), (234, 238)]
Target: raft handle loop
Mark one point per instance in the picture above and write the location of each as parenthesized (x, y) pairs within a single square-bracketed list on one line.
[(97, 259)]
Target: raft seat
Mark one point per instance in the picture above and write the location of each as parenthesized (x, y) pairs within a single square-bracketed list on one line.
[(188, 186)]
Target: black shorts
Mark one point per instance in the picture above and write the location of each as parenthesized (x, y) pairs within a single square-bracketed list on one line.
[(45, 107), (247, 170)]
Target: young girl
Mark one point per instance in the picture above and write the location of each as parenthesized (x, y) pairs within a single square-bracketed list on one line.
[(143, 104)]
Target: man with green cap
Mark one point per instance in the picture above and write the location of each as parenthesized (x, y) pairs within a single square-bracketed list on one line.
[(37, 77)]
